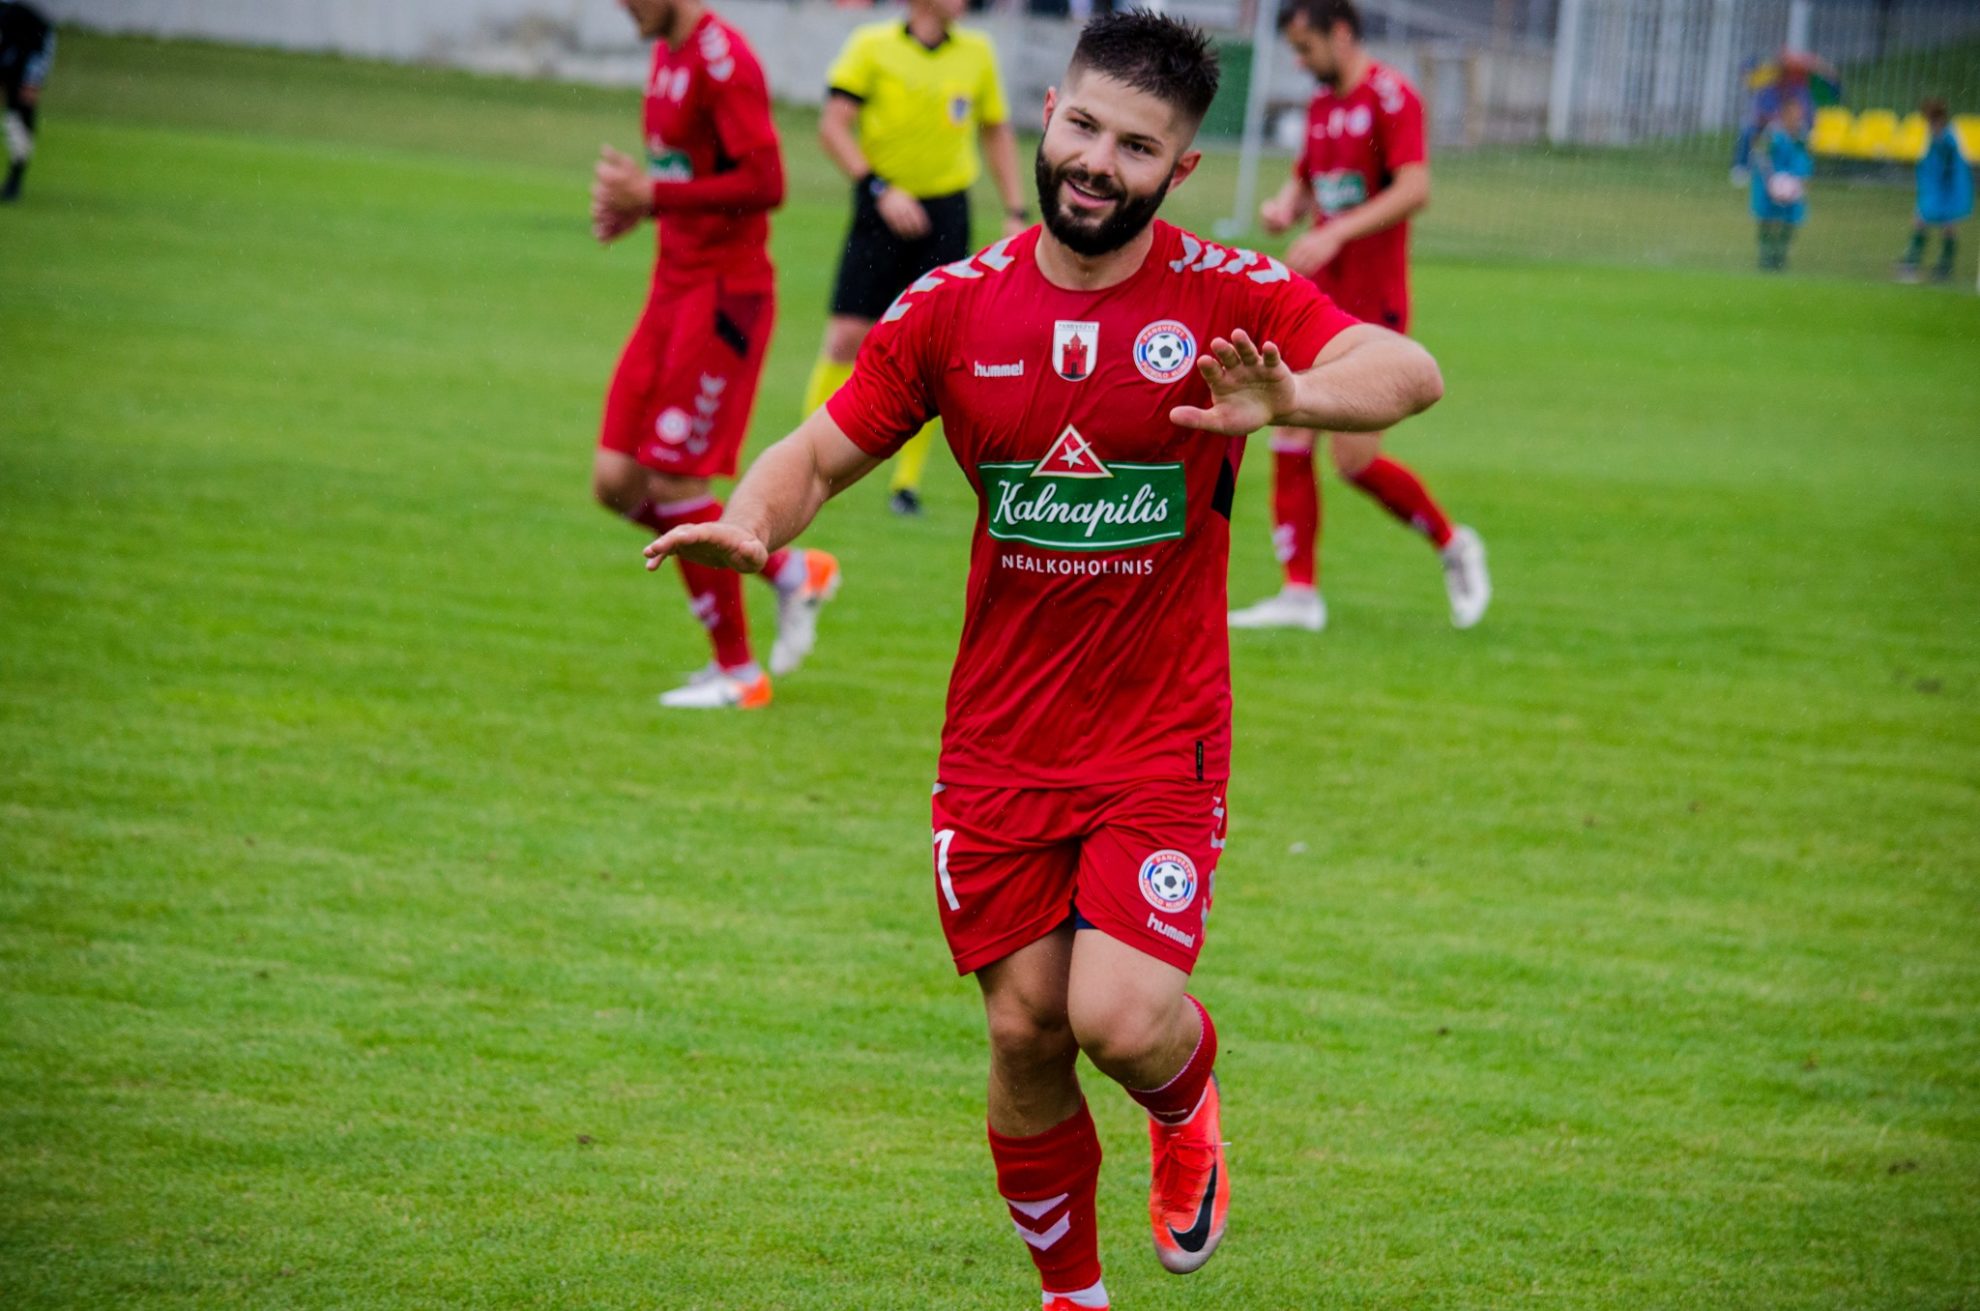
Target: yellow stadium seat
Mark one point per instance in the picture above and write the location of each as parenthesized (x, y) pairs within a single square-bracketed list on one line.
[(1967, 128), (1912, 138), (1833, 125), (1875, 134)]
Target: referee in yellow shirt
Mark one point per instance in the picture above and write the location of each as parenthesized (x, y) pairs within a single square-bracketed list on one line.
[(907, 104)]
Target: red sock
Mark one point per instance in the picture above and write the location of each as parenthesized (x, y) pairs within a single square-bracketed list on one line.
[(773, 568), (714, 595), (1295, 514), (1403, 494), (1048, 1181), (1176, 1100)]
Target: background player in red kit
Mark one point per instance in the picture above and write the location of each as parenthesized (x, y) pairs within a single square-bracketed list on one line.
[(679, 403), (1363, 172), (1080, 810)]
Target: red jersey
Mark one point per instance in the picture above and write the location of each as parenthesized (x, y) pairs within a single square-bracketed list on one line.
[(1355, 142), (706, 107), (1095, 645)]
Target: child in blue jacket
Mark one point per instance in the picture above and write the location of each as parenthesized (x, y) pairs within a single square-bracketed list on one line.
[(1781, 169), (1945, 195)]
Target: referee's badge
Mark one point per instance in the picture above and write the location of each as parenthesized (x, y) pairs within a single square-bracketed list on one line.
[(959, 110), (1075, 343)]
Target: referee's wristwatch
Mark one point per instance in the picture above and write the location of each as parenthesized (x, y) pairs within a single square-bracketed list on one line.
[(1020, 213), (873, 184)]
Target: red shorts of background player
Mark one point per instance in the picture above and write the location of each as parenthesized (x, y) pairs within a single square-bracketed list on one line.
[(680, 401), (1375, 296), (1134, 860)]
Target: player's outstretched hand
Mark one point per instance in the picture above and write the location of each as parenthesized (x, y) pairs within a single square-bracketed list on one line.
[(1249, 386), (722, 545), (1276, 215)]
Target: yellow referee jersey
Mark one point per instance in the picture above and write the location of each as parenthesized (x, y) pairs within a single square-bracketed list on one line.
[(920, 109)]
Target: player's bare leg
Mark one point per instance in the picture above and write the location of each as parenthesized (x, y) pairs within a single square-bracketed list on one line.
[(1358, 456), (804, 579), (1041, 1135), (1137, 1023), (658, 502), (1295, 539)]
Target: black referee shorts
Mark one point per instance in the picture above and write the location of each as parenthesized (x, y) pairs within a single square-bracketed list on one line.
[(877, 266)]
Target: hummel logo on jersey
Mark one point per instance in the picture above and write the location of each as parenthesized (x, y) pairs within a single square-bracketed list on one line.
[(1075, 343), (1000, 370), (1071, 457)]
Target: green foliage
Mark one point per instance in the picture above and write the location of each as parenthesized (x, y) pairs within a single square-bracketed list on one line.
[(368, 939)]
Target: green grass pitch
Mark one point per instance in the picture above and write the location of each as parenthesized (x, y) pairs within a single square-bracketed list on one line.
[(368, 939)]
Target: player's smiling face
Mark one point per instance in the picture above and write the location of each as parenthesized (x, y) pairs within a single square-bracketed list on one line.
[(1110, 154)]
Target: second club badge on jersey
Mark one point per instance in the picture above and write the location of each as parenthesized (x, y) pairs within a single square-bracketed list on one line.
[(1075, 344)]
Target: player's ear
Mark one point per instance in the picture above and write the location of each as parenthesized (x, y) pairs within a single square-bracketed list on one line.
[(1185, 165), (1051, 99)]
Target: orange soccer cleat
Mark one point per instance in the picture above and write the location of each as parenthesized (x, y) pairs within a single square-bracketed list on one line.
[(1189, 1191)]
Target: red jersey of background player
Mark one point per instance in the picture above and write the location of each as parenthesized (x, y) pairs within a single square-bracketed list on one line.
[(1355, 141), (707, 107), (1094, 646)]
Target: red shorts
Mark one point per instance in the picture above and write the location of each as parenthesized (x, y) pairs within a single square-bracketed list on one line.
[(680, 401), (1135, 860), (1378, 296)]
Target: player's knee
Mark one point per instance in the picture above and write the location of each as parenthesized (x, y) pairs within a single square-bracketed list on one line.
[(1028, 1030), (617, 483), (1352, 457), (1118, 1031)]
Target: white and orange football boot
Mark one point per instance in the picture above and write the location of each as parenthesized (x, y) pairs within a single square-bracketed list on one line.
[(797, 611), (1189, 1190), (718, 689)]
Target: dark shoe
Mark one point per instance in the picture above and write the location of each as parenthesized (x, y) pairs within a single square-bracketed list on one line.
[(905, 502)]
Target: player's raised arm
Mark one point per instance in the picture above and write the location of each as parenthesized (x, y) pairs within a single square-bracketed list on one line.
[(775, 501), (1366, 379)]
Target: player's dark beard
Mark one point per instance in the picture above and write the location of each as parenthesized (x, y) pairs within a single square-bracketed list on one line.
[(1131, 213)]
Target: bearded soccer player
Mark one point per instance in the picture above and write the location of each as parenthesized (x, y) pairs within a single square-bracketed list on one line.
[(1079, 813), (679, 403), (1363, 172)]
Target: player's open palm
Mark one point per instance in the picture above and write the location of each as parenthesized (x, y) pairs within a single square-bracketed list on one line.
[(1249, 386), (721, 545)]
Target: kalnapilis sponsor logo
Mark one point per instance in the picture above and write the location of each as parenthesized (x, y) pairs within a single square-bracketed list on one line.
[(1070, 500)]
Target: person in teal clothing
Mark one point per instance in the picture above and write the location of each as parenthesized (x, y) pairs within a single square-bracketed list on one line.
[(1781, 169), (1945, 195)]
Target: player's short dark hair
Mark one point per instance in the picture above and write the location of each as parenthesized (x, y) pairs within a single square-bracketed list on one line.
[(1934, 109), (1321, 15), (1166, 57)]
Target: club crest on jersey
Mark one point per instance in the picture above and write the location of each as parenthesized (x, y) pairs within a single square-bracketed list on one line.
[(1164, 351), (1071, 457), (1075, 343), (1168, 881)]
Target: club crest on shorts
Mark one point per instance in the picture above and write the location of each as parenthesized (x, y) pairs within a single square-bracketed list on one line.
[(1074, 345), (673, 426), (1168, 881), (1164, 351)]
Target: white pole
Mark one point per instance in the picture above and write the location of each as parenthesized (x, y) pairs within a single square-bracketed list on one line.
[(1263, 28), (1801, 14), (1715, 110), (1567, 55)]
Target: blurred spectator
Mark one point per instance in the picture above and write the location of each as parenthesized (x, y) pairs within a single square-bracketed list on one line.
[(27, 49), (1781, 169), (1945, 195), (1794, 76)]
